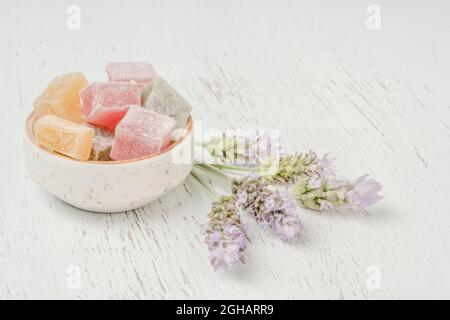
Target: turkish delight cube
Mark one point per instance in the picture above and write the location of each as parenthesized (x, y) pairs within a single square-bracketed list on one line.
[(141, 72), (161, 97), (64, 136), (140, 133), (106, 103), (61, 97)]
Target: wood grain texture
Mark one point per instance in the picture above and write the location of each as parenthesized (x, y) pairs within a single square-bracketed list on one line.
[(379, 100)]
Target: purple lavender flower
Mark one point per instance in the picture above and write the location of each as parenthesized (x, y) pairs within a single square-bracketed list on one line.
[(225, 234), (326, 168), (282, 214), (286, 225), (275, 210), (364, 192)]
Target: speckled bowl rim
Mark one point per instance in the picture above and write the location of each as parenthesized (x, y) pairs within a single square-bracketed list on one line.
[(31, 119)]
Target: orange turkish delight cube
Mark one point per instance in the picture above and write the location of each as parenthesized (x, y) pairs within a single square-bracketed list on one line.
[(62, 97), (66, 137)]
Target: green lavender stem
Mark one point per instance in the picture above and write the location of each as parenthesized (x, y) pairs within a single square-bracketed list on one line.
[(214, 171), (207, 186), (234, 168)]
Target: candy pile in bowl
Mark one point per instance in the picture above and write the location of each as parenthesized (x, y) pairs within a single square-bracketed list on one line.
[(134, 114)]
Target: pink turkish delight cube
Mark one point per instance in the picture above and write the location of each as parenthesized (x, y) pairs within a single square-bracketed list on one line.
[(140, 133), (106, 103), (141, 72)]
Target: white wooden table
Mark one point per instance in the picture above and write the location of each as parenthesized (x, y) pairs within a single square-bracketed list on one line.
[(378, 99)]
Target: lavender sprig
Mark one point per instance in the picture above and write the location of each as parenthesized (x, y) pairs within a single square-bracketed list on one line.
[(275, 210), (323, 193), (288, 168), (311, 178), (225, 233)]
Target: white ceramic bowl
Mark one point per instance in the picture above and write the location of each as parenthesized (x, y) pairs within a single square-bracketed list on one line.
[(108, 186)]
